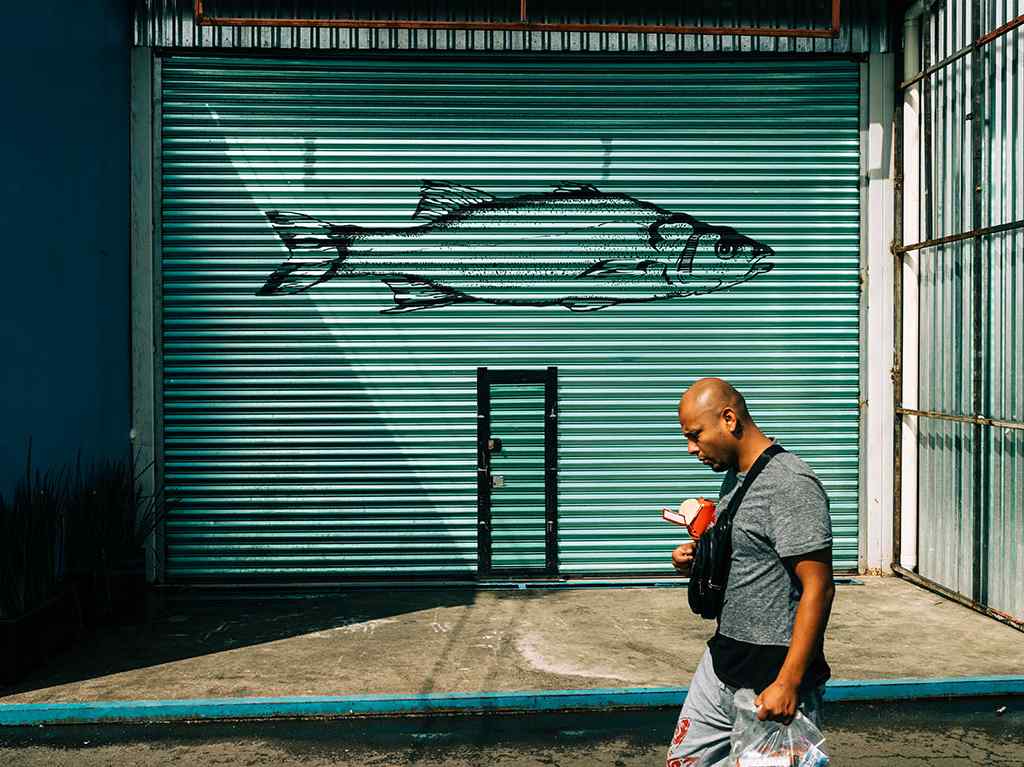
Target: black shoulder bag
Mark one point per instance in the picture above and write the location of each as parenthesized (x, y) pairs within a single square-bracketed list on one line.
[(713, 552)]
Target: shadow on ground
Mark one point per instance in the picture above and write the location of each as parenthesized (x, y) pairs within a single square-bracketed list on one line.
[(187, 624)]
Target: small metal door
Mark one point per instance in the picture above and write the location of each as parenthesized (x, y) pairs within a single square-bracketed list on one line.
[(517, 472)]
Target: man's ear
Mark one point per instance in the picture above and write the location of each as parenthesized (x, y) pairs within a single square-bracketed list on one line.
[(732, 423)]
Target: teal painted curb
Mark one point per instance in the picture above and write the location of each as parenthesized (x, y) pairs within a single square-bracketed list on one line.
[(880, 690), (339, 706), (838, 691)]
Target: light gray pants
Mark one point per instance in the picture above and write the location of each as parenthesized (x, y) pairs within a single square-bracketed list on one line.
[(702, 732)]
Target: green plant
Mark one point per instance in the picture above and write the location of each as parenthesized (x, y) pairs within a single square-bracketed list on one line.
[(110, 516), (31, 540), (149, 510), (73, 521)]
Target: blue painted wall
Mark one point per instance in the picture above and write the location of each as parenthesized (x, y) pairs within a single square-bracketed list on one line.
[(64, 212)]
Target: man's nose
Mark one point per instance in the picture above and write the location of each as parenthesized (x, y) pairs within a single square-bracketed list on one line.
[(691, 447)]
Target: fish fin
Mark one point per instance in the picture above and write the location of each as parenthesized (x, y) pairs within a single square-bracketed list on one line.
[(412, 294), (439, 198), (588, 304), (690, 252), (621, 268), (654, 236), (576, 186), (297, 276)]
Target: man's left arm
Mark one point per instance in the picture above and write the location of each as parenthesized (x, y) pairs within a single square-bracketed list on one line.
[(780, 699)]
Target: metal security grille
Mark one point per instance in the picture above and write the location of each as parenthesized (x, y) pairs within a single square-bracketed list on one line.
[(960, 395), (317, 435)]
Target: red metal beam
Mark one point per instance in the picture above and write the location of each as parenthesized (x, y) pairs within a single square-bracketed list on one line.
[(519, 26), (978, 420), (1000, 31), (974, 233)]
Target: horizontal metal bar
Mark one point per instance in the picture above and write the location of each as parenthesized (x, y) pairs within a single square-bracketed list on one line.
[(927, 583), (978, 420), (936, 67), (995, 34), (519, 26), (1000, 31), (900, 249), (516, 376)]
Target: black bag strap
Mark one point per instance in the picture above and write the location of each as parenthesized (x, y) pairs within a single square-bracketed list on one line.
[(719, 577), (762, 460)]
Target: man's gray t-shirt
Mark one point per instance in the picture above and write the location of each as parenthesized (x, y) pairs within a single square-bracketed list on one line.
[(785, 513)]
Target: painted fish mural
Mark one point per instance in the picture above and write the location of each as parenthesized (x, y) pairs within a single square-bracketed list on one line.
[(574, 246)]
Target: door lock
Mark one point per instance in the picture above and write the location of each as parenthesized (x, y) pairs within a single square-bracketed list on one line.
[(497, 480)]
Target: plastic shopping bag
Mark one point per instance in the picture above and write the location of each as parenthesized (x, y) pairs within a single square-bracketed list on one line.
[(773, 744)]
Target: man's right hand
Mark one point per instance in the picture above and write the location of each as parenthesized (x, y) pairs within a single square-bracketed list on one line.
[(682, 558)]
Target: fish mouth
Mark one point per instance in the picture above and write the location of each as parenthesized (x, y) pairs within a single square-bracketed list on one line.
[(758, 264)]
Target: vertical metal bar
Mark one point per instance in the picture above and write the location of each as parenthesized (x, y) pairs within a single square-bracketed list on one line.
[(160, 545), (483, 473), (926, 111), (897, 367), (551, 470), (977, 322), (926, 233)]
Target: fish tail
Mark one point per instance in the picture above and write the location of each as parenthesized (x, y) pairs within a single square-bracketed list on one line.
[(293, 277), (305, 235), (301, 232)]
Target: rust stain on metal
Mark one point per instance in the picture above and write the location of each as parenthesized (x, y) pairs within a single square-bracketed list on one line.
[(995, 34), (522, 25), (970, 235), (978, 420), (1000, 31)]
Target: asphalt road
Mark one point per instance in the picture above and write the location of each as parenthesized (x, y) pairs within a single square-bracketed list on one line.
[(882, 735)]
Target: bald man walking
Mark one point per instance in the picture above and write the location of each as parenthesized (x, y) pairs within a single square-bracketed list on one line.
[(779, 594)]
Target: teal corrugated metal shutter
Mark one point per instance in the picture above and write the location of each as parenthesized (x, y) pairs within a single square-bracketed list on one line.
[(314, 435)]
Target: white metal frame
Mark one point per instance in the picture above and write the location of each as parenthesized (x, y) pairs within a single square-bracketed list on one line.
[(878, 83), (146, 367)]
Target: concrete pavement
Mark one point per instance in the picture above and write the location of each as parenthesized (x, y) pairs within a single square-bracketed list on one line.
[(461, 640)]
